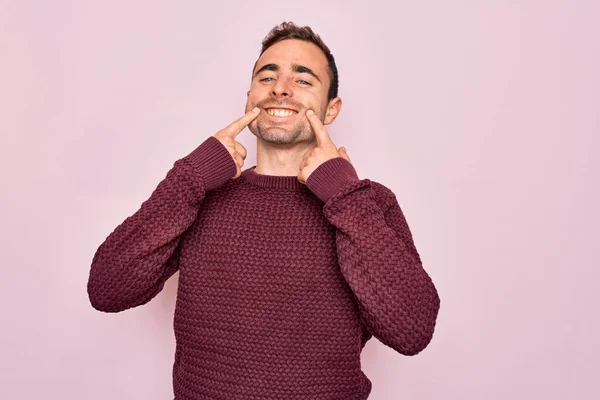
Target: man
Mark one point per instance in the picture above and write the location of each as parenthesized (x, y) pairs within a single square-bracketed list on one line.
[(286, 268)]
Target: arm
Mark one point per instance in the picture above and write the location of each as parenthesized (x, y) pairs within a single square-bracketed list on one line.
[(131, 266), (397, 299)]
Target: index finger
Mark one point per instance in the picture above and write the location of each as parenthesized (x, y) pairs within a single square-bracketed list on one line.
[(318, 128), (239, 124)]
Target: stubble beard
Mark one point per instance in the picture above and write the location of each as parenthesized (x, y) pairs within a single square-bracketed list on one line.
[(282, 136), (279, 135)]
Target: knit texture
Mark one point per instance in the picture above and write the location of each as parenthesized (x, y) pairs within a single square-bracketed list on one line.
[(281, 284)]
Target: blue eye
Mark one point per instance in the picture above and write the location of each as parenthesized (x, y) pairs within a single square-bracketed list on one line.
[(304, 82), (264, 79)]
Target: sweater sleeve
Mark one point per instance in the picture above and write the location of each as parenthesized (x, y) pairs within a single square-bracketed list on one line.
[(131, 266), (397, 299)]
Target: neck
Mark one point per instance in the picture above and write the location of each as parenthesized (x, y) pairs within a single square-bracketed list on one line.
[(280, 159)]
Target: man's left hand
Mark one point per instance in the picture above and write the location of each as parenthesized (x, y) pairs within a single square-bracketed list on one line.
[(325, 150)]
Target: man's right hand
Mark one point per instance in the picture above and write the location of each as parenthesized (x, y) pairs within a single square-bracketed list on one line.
[(228, 134)]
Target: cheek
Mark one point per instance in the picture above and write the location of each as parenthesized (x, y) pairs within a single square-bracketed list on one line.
[(312, 100), (254, 97)]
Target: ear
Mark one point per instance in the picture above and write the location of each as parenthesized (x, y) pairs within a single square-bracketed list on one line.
[(248, 94), (333, 109)]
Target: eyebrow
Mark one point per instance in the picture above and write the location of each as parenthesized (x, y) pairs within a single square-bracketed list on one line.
[(296, 67)]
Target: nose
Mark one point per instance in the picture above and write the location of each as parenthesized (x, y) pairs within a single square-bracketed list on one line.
[(281, 88)]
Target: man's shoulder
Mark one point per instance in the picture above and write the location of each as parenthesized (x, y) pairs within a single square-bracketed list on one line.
[(225, 190)]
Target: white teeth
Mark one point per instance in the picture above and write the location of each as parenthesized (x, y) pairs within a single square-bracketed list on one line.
[(280, 112)]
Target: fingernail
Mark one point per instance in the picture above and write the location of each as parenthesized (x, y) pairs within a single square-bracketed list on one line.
[(255, 110), (310, 112)]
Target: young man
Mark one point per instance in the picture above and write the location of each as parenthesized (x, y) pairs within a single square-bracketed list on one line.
[(286, 268)]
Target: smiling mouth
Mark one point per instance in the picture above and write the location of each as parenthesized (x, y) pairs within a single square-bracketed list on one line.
[(280, 112)]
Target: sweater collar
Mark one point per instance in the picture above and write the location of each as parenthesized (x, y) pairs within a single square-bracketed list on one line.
[(271, 181)]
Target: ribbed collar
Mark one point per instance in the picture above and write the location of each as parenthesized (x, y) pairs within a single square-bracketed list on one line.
[(271, 181)]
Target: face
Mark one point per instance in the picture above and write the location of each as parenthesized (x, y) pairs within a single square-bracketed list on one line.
[(290, 77)]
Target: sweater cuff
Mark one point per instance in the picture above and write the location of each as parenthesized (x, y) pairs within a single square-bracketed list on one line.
[(214, 162), (330, 176)]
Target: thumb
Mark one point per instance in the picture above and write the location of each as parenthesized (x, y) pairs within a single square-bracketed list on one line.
[(344, 153)]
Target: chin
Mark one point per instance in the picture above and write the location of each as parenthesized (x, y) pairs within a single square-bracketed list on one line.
[(277, 135)]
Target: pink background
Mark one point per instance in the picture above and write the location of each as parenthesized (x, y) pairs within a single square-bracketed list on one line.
[(483, 117)]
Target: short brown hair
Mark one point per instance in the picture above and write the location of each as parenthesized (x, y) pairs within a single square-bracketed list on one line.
[(289, 30)]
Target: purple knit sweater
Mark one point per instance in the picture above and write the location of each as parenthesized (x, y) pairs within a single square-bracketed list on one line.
[(281, 284)]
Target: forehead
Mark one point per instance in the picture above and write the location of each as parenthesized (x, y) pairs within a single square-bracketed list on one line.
[(293, 51)]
